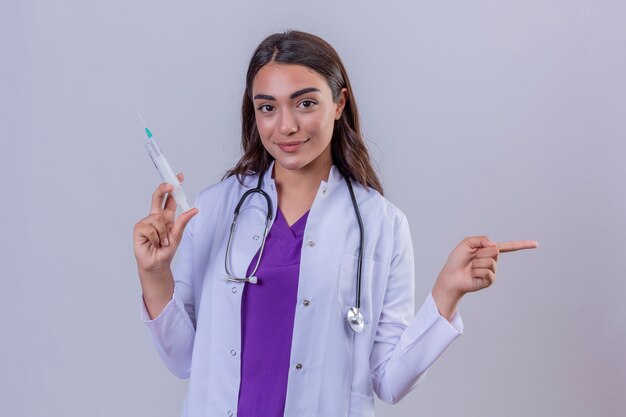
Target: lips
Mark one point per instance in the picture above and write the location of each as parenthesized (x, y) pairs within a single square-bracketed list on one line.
[(291, 146)]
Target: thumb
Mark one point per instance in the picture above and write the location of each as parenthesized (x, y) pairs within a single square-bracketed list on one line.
[(181, 223), (477, 242)]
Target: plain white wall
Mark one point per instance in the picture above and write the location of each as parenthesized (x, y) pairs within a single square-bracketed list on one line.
[(484, 117)]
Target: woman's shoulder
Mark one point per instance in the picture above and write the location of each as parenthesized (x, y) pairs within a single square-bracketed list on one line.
[(219, 190), (372, 204), (385, 223), (213, 199), (377, 205)]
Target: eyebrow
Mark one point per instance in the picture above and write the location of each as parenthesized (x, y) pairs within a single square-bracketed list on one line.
[(293, 95)]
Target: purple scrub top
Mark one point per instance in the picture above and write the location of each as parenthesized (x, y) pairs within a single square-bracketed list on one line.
[(267, 316)]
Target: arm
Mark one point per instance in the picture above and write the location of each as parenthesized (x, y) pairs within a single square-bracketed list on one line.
[(173, 330), (404, 349), (167, 301), (405, 346)]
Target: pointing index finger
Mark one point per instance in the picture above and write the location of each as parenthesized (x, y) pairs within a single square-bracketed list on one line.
[(517, 245)]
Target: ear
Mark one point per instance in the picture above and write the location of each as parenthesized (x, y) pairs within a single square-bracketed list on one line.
[(341, 104)]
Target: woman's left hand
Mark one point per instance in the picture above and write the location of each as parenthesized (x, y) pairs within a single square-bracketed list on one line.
[(470, 267)]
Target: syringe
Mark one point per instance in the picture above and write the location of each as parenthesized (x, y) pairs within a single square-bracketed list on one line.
[(161, 164)]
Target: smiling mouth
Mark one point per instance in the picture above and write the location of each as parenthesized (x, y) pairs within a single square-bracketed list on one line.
[(291, 146)]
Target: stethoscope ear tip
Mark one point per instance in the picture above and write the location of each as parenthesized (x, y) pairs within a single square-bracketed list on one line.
[(253, 279)]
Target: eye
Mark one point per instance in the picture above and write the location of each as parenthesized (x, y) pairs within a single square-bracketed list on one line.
[(307, 104), (265, 108)]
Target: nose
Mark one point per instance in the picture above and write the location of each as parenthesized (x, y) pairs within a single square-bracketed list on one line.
[(288, 123)]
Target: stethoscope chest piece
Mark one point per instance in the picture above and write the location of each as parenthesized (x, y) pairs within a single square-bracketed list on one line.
[(355, 319)]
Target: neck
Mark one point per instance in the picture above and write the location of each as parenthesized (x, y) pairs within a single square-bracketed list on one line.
[(301, 181), (296, 188)]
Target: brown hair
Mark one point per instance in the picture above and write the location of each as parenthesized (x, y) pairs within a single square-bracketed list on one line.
[(348, 149)]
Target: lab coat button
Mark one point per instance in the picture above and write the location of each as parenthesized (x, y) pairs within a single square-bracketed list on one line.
[(311, 243), (230, 413), (255, 237), (234, 290), (306, 303), (233, 352), (298, 366), (324, 190)]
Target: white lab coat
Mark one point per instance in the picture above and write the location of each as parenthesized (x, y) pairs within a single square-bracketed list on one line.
[(198, 334)]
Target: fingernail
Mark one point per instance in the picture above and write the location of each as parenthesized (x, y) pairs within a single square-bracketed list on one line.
[(167, 241)]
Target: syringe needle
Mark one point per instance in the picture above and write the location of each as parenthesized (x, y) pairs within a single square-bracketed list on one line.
[(142, 122), (144, 125)]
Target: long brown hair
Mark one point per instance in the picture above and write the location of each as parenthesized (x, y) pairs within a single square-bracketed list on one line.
[(349, 153)]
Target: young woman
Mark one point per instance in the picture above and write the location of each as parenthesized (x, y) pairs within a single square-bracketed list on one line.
[(305, 305)]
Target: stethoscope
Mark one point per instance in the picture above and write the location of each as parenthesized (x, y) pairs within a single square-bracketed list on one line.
[(354, 316)]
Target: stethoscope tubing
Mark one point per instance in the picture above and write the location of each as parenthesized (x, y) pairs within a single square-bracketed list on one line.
[(357, 302), (354, 315), (268, 219)]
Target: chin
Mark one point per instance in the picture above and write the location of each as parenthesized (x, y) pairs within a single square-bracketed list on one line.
[(291, 164)]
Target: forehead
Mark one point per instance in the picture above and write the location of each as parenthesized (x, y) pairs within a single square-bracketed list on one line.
[(283, 79)]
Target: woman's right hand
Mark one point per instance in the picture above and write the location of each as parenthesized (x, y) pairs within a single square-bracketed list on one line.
[(156, 239), (157, 236)]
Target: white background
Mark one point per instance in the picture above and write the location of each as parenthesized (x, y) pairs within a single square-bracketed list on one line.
[(486, 117)]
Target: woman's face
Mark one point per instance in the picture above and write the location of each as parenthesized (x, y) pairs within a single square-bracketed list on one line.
[(295, 114)]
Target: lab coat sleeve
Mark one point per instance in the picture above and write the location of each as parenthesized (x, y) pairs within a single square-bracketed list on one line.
[(173, 330), (405, 346)]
